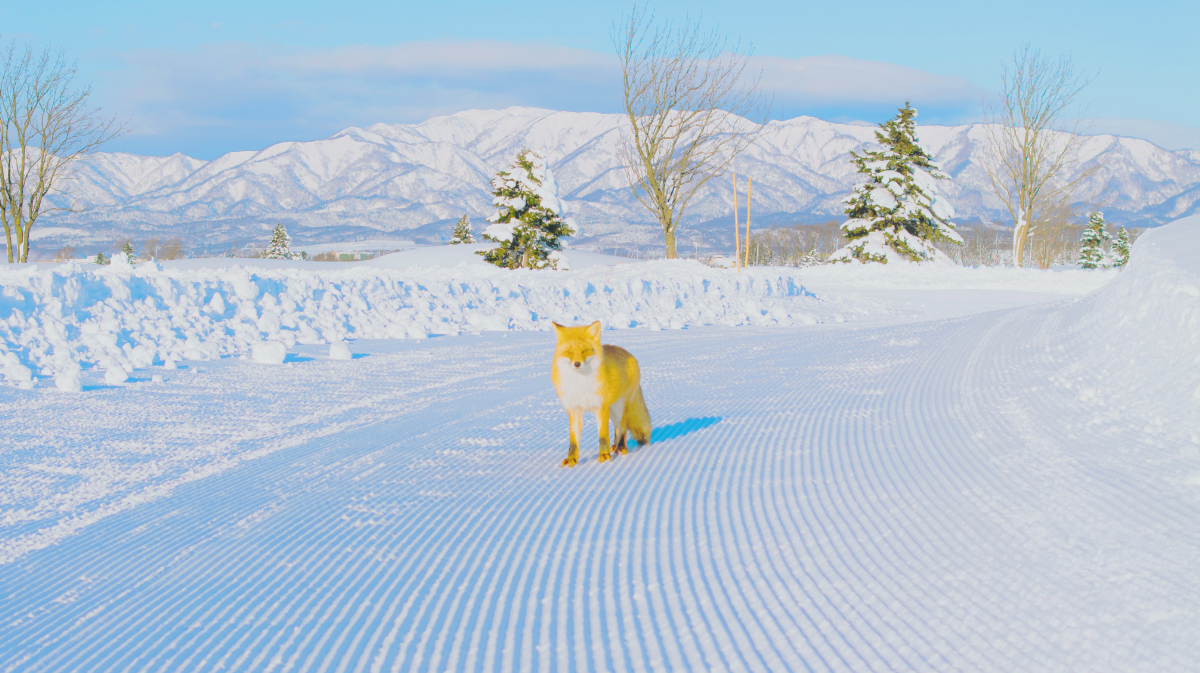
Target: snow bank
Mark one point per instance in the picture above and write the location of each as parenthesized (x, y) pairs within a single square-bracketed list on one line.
[(1138, 338), (53, 321), (119, 319)]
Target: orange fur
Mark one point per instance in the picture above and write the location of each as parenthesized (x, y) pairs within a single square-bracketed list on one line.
[(602, 379)]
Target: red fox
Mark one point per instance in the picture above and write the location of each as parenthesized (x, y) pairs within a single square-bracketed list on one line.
[(601, 379)]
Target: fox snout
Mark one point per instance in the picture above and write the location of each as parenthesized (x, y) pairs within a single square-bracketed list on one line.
[(578, 365)]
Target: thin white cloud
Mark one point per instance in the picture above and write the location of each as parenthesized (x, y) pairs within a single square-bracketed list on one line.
[(226, 96), (470, 58), (834, 79)]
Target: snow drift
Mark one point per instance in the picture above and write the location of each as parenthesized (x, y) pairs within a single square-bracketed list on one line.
[(1135, 342), (121, 317), (56, 322)]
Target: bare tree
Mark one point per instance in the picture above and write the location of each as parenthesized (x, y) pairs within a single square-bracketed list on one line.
[(1054, 237), (152, 247), (65, 254), (691, 111), (45, 126), (1033, 149), (172, 248)]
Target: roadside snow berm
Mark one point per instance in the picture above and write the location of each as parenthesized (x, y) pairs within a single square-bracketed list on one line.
[(1137, 338)]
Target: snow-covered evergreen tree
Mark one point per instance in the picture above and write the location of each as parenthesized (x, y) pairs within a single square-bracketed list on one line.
[(527, 224), (281, 244), (462, 232), (1093, 244), (129, 253), (100, 259), (1120, 248), (897, 215)]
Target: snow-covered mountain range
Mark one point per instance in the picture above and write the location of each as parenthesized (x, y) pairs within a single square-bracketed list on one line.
[(413, 180)]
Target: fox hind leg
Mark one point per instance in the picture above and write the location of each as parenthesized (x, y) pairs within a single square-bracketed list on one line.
[(617, 412), (602, 419)]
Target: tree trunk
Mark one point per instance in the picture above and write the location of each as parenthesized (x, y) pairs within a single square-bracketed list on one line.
[(1020, 234), (669, 236)]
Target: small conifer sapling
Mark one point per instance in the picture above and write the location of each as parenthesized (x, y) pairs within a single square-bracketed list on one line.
[(129, 253), (281, 244), (527, 226), (1093, 244), (462, 232), (100, 259), (1120, 248)]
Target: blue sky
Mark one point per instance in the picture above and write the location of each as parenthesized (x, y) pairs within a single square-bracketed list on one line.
[(208, 78)]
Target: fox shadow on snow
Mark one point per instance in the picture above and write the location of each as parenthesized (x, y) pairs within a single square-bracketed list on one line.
[(669, 431)]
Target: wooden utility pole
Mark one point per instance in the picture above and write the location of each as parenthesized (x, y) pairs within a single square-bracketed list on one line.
[(749, 187), (737, 231)]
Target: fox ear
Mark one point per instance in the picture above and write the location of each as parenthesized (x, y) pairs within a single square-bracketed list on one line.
[(593, 330)]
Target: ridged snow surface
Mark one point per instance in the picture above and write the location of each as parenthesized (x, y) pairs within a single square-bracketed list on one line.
[(999, 491), (398, 177)]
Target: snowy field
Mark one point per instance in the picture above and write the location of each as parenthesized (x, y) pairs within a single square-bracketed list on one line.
[(852, 469)]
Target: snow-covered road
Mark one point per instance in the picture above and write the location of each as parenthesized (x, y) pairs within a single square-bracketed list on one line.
[(913, 497)]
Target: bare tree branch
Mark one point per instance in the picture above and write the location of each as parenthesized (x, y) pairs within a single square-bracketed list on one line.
[(45, 126), (1032, 152), (690, 109)]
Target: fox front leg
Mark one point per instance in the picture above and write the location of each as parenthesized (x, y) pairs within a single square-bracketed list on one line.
[(576, 422)]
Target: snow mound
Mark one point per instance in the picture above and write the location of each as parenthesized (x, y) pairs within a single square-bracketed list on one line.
[(68, 379), (339, 350), (268, 352), (116, 375)]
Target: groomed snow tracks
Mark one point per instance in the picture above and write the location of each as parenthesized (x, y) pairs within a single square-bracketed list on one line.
[(829, 499)]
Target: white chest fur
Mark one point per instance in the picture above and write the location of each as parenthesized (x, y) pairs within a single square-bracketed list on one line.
[(579, 387)]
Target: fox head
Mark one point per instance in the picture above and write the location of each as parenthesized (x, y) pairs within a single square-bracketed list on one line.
[(578, 344)]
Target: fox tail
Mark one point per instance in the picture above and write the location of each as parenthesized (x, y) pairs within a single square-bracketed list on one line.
[(638, 419)]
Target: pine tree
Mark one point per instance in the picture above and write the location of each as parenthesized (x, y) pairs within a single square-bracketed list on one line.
[(1120, 249), (463, 232), (896, 215), (128, 250), (280, 246), (526, 225), (101, 259), (1092, 244)]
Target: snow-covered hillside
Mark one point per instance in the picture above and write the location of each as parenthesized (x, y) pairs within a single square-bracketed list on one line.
[(418, 178)]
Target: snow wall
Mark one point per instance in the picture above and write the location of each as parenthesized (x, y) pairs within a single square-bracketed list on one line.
[(78, 316), (1136, 340)]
